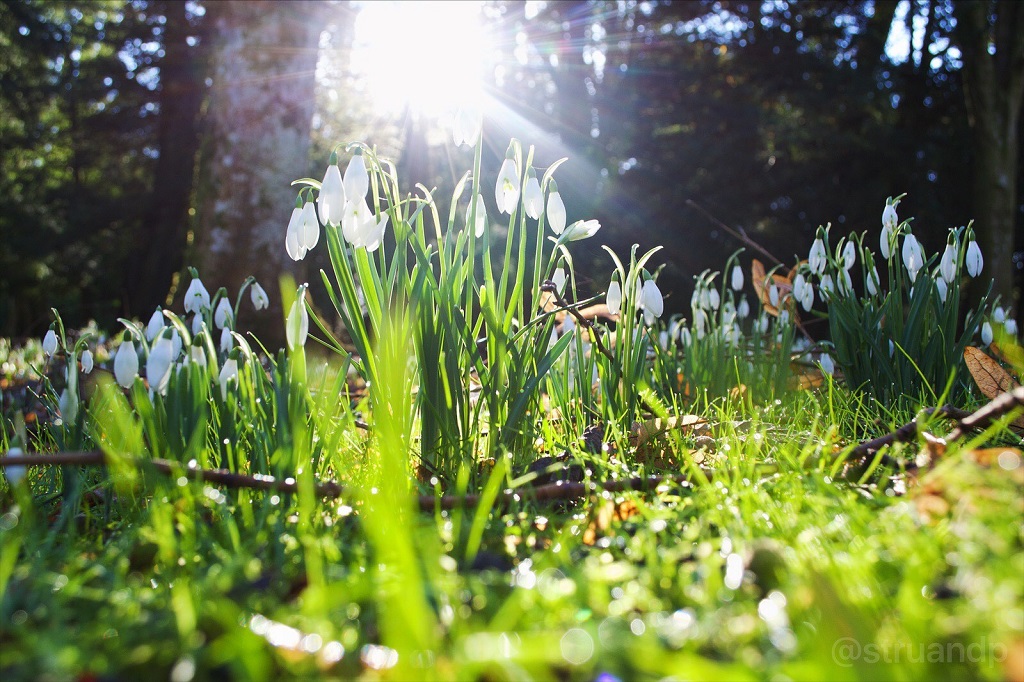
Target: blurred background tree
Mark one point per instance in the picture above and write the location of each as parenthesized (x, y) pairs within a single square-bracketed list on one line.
[(774, 117)]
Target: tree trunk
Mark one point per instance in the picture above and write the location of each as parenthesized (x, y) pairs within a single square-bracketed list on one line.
[(159, 251), (994, 87), (256, 143)]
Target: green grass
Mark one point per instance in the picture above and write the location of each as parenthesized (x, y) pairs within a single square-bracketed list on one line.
[(765, 570)]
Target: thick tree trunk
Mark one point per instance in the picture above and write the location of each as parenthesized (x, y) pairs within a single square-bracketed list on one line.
[(159, 250), (994, 88), (257, 142)]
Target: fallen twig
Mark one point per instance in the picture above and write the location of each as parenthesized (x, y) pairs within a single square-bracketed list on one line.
[(562, 490)]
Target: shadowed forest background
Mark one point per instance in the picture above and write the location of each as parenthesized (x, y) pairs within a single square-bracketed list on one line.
[(139, 137)]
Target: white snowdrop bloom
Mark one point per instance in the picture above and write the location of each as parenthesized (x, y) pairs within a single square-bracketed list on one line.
[(155, 325), (872, 283), (1010, 326), (480, 216), (297, 325), (197, 298), (506, 189), (942, 288), (50, 342), (197, 324), (737, 278), (986, 334), (773, 295), (613, 299), (558, 279), (468, 123), (229, 372), (331, 200), (743, 310), (356, 180), (714, 300), (15, 474), (913, 256), (826, 364), (817, 258), (260, 300), (126, 364), (87, 361), (223, 315), (582, 229), (947, 264), (159, 362), (227, 341), (998, 314), (533, 197), (849, 256), (807, 300), (973, 259)]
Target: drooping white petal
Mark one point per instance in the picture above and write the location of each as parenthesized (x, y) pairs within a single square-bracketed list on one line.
[(50, 342), (998, 314), (912, 256), (158, 364), (533, 198), (556, 212), (126, 364), (651, 298), (480, 216), (292, 239), (197, 298), (357, 180), (947, 265), (943, 289), (973, 259), (467, 126), (582, 229), (229, 372), (223, 316), (260, 300), (87, 361), (227, 341), (309, 230), (737, 278), (889, 218), (506, 189), (986, 334), (743, 309), (826, 364), (613, 299), (331, 201), (156, 324), (885, 242), (849, 256), (68, 404), (558, 278), (198, 354)]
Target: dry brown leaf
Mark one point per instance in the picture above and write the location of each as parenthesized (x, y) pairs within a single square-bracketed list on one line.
[(1013, 664), (991, 378), (644, 432), (1011, 354), (806, 378), (605, 515)]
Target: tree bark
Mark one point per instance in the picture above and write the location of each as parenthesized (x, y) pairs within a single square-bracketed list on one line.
[(993, 88), (256, 143), (159, 250)]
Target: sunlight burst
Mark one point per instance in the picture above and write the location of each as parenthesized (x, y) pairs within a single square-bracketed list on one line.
[(426, 55)]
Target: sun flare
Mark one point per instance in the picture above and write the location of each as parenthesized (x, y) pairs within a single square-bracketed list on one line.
[(424, 55)]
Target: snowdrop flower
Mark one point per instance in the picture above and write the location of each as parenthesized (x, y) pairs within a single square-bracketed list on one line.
[(826, 364), (947, 264), (229, 372), (260, 300), (737, 278), (222, 316), (700, 322), (357, 180), (943, 288), (297, 326), (126, 363), (973, 260), (533, 198), (559, 279), (158, 364), (198, 355), (14, 474), (156, 324), (361, 228), (849, 256), (468, 124), (226, 340), (872, 283), (845, 281), (827, 287), (613, 299), (817, 257), (761, 324), (998, 314), (783, 320), (986, 334), (506, 189), (913, 256), (743, 310), (714, 300), (331, 200), (892, 348), (556, 210), (651, 301), (799, 284), (581, 229), (1010, 326), (197, 298), (197, 324), (293, 236), (50, 343), (890, 221), (685, 336), (303, 231), (773, 296), (87, 361), (480, 217)]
